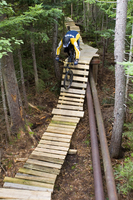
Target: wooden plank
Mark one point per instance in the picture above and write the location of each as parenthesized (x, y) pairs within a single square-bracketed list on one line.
[(76, 84), (81, 66), (47, 159), (71, 90), (70, 103), (66, 119), (75, 27), (61, 130), (28, 182), (56, 122), (77, 78), (68, 126), (87, 52), (26, 187), (69, 21), (35, 178), (62, 144), (68, 112), (41, 169), (37, 173), (69, 107), (42, 163), (24, 194), (72, 151), (78, 72), (70, 24), (48, 155), (32, 197), (45, 137), (46, 146), (71, 99), (79, 96), (50, 151), (83, 60), (56, 134), (56, 137)]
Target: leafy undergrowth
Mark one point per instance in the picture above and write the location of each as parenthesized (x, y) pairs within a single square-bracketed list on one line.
[(75, 181)]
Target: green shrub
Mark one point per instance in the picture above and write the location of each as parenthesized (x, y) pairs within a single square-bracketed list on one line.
[(124, 173), (129, 134)]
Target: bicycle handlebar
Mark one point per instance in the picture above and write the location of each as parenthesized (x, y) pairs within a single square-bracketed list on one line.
[(65, 62)]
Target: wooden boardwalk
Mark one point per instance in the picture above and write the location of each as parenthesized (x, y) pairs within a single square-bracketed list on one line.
[(35, 181)]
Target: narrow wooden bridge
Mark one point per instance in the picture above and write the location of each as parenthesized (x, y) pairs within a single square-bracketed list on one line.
[(35, 181)]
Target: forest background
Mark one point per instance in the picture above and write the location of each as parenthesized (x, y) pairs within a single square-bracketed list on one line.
[(29, 34)]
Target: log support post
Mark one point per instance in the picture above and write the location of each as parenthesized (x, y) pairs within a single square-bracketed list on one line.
[(94, 64)]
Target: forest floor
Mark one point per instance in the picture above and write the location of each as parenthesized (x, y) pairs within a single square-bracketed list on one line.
[(75, 181)]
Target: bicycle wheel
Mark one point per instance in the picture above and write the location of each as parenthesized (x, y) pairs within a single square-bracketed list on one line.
[(68, 79)]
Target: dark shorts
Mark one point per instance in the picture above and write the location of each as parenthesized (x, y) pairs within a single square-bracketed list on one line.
[(68, 49)]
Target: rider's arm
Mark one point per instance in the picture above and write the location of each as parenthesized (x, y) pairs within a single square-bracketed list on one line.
[(59, 48)]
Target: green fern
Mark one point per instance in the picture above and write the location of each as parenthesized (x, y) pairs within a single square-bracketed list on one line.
[(124, 173), (41, 85), (44, 74)]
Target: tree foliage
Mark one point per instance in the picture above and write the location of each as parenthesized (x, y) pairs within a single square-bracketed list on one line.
[(18, 26)]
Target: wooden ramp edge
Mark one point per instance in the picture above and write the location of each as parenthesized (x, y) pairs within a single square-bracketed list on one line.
[(36, 179)]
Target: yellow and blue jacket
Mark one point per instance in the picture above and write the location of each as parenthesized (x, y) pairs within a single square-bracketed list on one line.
[(74, 37)]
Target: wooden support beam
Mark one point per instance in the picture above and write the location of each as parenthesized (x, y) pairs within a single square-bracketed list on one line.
[(94, 65), (72, 151)]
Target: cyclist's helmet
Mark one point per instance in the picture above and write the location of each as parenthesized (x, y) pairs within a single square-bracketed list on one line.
[(66, 41)]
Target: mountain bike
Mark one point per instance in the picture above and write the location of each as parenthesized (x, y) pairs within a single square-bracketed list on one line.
[(68, 72)]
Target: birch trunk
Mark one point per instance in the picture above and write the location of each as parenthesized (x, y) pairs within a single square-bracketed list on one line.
[(119, 44), (130, 59)]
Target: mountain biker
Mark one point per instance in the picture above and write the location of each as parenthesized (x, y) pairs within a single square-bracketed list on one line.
[(70, 39)]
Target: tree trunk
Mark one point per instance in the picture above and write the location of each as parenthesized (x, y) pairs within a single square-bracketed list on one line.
[(71, 10), (130, 60), (56, 64), (4, 105), (22, 79), (64, 27), (84, 11), (103, 57), (12, 93), (34, 64), (120, 28), (88, 8)]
